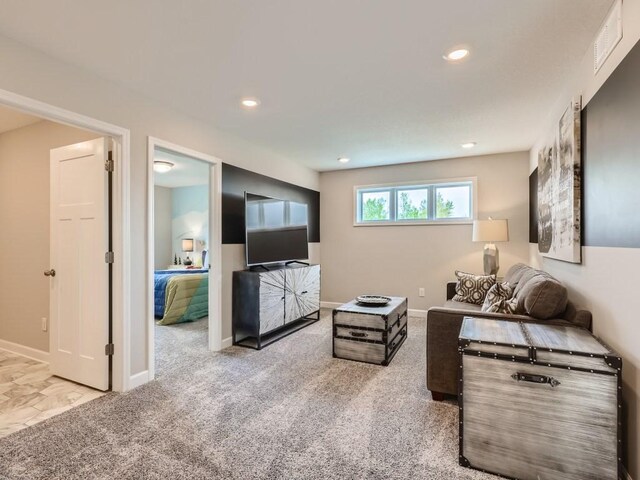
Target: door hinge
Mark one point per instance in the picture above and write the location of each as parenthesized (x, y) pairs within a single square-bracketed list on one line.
[(108, 163), (109, 257), (108, 349)]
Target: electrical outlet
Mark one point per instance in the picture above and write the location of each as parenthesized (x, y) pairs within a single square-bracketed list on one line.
[(421, 292), (44, 324)]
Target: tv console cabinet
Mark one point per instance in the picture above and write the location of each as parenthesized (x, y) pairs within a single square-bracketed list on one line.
[(271, 304)]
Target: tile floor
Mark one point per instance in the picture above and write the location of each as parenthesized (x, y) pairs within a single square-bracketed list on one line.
[(30, 394)]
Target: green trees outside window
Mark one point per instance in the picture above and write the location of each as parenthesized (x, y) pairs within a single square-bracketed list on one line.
[(407, 210), (421, 203), (375, 209), (444, 209)]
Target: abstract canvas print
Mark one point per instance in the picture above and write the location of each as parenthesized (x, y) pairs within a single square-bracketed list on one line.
[(559, 173)]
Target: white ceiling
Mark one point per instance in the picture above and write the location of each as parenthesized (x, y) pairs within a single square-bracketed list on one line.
[(186, 171), (11, 119), (356, 78)]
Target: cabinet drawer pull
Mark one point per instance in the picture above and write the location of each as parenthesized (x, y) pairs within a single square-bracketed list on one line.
[(541, 379), (359, 334), (305, 291)]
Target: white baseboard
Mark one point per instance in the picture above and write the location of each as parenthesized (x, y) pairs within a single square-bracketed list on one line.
[(138, 379), (330, 304), (32, 353), (227, 342), (412, 312), (417, 313)]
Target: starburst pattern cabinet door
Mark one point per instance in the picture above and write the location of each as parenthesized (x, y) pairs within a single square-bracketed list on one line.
[(302, 292), (271, 298)]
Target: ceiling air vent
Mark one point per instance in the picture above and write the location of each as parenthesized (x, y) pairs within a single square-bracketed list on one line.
[(608, 37)]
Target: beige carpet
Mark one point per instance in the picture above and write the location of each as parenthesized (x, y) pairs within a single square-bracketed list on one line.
[(290, 411)]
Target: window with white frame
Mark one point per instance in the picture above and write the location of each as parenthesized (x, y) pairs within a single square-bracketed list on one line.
[(446, 201)]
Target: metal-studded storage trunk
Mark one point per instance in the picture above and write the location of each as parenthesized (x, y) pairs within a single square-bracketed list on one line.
[(370, 334), (538, 401)]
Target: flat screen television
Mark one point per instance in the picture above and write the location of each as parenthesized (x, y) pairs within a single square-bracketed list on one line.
[(276, 230)]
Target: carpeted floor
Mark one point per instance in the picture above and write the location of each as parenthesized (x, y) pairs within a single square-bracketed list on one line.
[(290, 411)]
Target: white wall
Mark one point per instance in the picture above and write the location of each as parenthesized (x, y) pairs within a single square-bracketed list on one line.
[(604, 283), (397, 260), (163, 249), (190, 219), (33, 74), (24, 236)]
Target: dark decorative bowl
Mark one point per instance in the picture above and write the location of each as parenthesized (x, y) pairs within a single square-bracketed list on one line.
[(372, 300)]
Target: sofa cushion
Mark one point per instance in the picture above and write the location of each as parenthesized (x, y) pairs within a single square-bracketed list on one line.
[(472, 288), (542, 297), (500, 292), (462, 306), (527, 275), (515, 273)]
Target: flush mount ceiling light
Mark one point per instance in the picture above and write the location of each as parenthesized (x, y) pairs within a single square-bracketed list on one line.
[(250, 102), (457, 54), (468, 145), (343, 159), (161, 166)]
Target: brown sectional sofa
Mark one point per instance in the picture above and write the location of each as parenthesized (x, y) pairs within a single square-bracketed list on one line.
[(540, 297)]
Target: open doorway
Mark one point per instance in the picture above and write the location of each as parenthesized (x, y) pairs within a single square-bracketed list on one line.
[(181, 266), (52, 254), (121, 379), (184, 246)]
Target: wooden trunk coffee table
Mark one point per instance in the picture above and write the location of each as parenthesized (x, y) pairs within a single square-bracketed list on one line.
[(369, 334)]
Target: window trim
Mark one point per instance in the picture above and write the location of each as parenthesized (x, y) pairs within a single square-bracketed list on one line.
[(393, 187)]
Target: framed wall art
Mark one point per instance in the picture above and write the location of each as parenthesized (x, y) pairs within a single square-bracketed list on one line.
[(559, 193)]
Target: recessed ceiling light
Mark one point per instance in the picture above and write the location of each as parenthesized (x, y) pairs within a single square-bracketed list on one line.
[(161, 166), (343, 159), (250, 102), (468, 145), (457, 54)]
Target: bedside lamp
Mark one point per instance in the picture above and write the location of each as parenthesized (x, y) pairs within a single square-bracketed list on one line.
[(187, 246), (490, 231)]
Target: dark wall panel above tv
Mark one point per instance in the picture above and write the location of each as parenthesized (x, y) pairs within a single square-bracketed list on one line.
[(235, 181)]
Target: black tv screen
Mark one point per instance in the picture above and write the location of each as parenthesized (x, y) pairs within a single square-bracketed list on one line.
[(276, 230)]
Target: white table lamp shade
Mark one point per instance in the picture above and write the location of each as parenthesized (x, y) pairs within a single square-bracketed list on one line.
[(187, 244), (490, 231)]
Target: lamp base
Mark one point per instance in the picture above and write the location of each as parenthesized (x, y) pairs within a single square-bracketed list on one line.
[(491, 259)]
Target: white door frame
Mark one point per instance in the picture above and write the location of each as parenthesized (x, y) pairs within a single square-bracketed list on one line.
[(121, 308), (214, 254)]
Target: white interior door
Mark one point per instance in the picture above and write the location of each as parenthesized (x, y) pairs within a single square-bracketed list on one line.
[(79, 274)]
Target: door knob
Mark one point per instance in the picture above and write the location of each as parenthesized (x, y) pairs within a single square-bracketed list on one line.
[(50, 273)]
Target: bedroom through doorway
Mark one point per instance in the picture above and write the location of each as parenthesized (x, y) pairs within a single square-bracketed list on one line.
[(184, 196), (181, 199)]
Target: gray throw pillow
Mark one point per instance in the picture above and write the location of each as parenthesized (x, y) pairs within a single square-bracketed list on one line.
[(543, 297), (515, 273), (473, 288), (496, 294)]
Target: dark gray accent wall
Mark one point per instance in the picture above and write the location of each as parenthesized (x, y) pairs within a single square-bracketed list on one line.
[(533, 207), (610, 162), (611, 159), (235, 181)]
